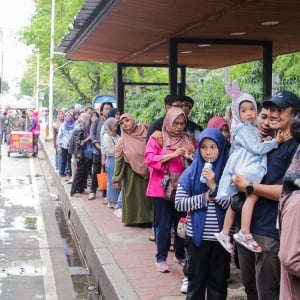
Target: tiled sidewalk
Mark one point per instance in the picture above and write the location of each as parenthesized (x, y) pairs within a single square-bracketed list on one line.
[(121, 258)]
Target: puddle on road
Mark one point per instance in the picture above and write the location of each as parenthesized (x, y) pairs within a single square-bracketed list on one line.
[(18, 193), (83, 285)]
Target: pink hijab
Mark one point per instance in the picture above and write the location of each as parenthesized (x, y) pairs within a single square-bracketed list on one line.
[(217, 122), (132, 145), (170, 140)]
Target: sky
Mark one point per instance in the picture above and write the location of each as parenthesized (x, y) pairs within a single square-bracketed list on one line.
[(14, 14)]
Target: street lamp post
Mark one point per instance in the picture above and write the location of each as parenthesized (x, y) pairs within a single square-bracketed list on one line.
[(51, 72), (37, 80)]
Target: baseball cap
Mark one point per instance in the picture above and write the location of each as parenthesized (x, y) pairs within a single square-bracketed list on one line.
[(284, 99)]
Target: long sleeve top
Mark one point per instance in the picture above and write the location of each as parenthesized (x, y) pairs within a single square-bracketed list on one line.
[(153, 155), (214, 212), (63, 137)]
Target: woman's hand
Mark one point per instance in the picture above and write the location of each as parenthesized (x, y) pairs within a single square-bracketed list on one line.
[(116, 185), (59, 150), (178, 152)]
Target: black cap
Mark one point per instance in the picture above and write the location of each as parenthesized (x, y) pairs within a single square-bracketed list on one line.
[(283, 99)]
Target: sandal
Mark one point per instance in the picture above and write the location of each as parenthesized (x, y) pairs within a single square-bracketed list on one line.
[(224, 240), (247, 241)]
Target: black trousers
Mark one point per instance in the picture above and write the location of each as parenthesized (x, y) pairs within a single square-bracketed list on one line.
[(80, 178), (96, 169), (207, 267)]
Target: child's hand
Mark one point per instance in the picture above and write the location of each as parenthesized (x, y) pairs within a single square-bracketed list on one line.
[(209, 174), (267, 138), (282, 136)]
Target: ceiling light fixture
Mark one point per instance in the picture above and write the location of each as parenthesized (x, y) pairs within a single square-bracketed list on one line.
[(204, 45), (186, 52), (269, 23), (158, 61), (238, 33)]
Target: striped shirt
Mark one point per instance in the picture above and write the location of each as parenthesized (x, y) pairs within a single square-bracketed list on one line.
[(184, 202)]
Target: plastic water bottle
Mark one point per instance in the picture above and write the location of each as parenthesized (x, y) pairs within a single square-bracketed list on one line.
[(206, 165)]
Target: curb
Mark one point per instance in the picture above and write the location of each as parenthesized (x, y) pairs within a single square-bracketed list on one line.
[(106, 273)]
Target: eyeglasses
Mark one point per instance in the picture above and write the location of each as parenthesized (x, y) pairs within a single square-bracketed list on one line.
[(189, 106), (177, 105), (177, 124)]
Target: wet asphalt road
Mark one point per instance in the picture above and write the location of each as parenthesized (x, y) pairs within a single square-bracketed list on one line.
[(33, 263)]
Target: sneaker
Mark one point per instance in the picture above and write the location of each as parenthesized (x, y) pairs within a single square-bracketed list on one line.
[(67, 178), (118, 212), (91, 196), (180, 261), (151, 238), (70, 181), (162, 267), (224, 240), (184, 285), (111, 205)]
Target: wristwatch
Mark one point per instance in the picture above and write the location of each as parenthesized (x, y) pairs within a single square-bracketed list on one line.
[(249, 188)]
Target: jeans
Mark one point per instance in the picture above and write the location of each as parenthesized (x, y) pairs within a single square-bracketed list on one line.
[(260, 273), (112, 194), (57, 160), (65, 159), (3, 135), (165, 217), (119, 201)]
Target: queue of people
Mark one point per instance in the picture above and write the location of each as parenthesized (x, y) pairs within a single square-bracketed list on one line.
[(244, 162)]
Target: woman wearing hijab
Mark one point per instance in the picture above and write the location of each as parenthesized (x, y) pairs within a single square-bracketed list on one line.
[(78, 147), (132, 173), (109, 141), (63, 142), (220, 123), (207, 261), (35, 129), (289, 224), (56, 125), (167, 151)]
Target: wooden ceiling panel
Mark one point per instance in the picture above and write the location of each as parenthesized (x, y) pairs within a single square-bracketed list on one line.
[(138, 31)]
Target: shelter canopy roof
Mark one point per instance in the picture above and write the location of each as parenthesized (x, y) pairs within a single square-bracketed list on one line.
[(138, 31)]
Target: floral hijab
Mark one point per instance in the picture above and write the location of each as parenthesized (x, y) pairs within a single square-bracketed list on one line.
[(132, 145), (170, 140)]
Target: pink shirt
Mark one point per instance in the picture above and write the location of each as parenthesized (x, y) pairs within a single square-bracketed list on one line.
[(153, 155)]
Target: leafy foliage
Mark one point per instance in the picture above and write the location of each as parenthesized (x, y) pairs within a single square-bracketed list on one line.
[(79, 82)]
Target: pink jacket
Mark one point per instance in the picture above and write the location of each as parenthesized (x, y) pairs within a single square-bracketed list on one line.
[(153, 155)]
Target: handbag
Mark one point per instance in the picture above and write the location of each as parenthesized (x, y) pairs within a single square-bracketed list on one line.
[(88, 150), (181, 227), (182, 224), (102, 181), (172, 186)]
